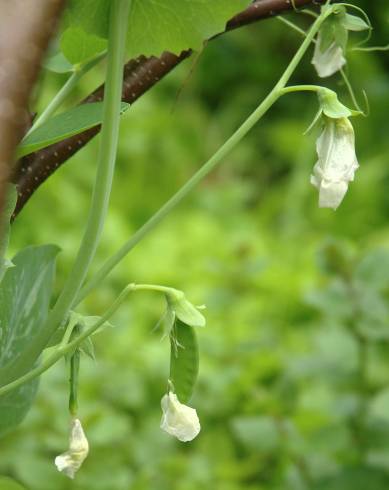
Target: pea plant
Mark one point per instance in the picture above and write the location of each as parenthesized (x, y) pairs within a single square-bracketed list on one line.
[(36, 331)]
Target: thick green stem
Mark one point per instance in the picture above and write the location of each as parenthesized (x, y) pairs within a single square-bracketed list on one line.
[(210, 164), (59, 98), (100, 198)]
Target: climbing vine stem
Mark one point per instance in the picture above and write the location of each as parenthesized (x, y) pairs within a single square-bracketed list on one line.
[(16, 372), (226, 148), (107, 155)]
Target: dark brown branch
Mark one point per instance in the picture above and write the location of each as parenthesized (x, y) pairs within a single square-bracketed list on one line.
[(139, 76), (25, 29)]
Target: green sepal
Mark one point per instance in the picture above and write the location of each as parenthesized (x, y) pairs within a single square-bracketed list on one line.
[(183, 309), (331, 106), (354, 23), (326, 34)]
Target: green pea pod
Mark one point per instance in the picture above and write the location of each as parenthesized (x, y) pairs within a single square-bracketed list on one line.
[(184, 360)]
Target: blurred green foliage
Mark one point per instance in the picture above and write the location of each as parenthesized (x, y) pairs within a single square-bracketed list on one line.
[(294, 376)]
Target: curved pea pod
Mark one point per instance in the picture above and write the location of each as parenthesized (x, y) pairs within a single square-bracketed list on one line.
[(184, 360)]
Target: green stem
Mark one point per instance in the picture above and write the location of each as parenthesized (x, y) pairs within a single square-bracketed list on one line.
[(62, 350), (59, 98), (302, 88), (100, 197), (292, 25), (73, 381), (151, 287), (209, 165)]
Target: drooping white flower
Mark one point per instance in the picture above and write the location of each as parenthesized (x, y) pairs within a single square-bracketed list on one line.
[(337, 161), (330, 60), (178, 419), (70, 461)]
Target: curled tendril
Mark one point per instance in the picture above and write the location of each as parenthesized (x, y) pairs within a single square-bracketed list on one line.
[(311, 13), (292, 25), (350, 89), (371, 48)]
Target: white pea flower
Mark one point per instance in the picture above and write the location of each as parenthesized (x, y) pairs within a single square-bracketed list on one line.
[(70, 462), (337, 161), (330, 60), (178, 419)]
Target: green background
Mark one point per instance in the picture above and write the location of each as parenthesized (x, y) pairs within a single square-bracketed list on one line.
[(294, 379)]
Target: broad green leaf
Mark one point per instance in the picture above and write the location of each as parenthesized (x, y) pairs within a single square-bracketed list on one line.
[(174, 25), (69, 123), (78, 46), (158, 25), (5, 227), (24, 302), (184, 360), (8, 484)]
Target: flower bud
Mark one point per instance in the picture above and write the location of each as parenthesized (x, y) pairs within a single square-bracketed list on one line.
[(178, 419), (337, 161), (183, 309), (70, 461)]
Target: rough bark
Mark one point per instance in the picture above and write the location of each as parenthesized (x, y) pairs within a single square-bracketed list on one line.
[(25, 29)]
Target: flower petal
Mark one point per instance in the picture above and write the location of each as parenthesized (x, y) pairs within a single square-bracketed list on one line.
[(178, 419), (337, 161), (329, 61), (70, 461)]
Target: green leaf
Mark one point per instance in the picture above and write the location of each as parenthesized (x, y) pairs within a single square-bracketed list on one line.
[(69, 123), (158, 25), (184, 360), (58, 64), (64, 125), (5, 228), (24, 302), (78, 46), (8, 484)]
